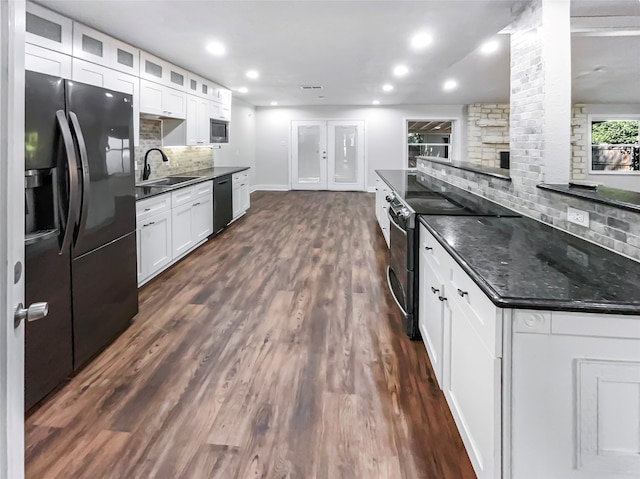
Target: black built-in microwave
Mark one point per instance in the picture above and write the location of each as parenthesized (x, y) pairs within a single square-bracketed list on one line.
[(219, 131)]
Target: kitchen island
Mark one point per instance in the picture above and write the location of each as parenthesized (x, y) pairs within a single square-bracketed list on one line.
[(534, 337)]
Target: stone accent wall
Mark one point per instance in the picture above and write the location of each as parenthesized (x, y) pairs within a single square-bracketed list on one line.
[(579, 139), (181, 158), (487, 133), (613, 228)]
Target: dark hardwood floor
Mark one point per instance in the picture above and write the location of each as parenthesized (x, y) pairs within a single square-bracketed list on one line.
[(273, 351)]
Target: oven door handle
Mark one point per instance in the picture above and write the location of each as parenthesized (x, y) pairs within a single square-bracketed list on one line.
[(404, 313), (395, 222)]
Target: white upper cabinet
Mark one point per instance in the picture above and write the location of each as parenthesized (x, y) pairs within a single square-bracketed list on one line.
[(157, 99), (96, 47), (200, 86), (92, 74), (221, 95), (198, 121), (48, 29), (218, 111), (42, 60), (157, 70)]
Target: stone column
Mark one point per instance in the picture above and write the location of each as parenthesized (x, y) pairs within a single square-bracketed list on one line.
[(540, 128)]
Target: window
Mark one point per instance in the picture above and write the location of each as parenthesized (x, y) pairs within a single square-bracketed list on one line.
[(615, 145), (428, 138)]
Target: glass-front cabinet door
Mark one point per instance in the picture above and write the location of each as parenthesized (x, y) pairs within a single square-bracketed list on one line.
[(309, 155), (48, 29)]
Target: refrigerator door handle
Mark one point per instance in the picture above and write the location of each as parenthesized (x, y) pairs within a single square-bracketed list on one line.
[(72, 162), (85, 173)]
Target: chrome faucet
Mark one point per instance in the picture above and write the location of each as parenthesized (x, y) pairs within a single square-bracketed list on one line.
[(146, 169)]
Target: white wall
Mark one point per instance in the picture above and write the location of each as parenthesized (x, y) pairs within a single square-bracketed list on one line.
[(384, 132), (241, 149)]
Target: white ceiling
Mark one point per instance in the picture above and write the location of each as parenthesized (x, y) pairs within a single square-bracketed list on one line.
[(350, 47)]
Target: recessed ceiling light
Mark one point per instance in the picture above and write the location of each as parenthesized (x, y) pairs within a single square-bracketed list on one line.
[(450, 85), (252, 74), (421, 40), (243, 89), (400, 71), (216, 48), (489, 47), (375, 102), (387, 87), (274, 103)]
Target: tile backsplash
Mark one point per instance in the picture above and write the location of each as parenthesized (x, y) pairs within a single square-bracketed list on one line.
[(181, 158)]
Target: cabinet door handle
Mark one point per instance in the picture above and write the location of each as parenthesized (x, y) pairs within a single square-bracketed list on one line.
[(242, 184), (147, 209), (196, 204), (434, 290), (442, 298), (462, 293), (149, 224), (428, 248)]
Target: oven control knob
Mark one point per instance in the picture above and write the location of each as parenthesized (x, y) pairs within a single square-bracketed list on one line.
[(405, 213), (390, 197)]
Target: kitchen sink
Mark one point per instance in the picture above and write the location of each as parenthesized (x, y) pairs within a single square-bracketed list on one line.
[(170, 181)]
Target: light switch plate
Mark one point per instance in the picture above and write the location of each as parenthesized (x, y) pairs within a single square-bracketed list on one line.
[(578, 217)]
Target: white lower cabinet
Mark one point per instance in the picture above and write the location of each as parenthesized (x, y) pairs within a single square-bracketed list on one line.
[(202, 222), (241, 196), (155, 245), (182, 226), (534, 394), (382, 190), (171, 225)]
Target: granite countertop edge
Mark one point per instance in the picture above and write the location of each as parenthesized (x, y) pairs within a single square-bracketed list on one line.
[(212, 175), (530, 303), (500, 173), (590, 195)]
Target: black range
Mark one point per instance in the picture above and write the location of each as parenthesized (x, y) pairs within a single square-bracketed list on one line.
[(413, 194)]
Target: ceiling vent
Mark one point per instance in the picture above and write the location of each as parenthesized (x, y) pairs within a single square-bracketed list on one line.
[(310, 87)]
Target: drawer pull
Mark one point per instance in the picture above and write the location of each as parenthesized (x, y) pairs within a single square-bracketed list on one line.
[(442, 298), (462, 293), (428, 248), (434, 290), (196, 204), (149, 224), (147, 209)]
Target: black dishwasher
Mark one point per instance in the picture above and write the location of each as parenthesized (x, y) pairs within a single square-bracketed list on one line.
[(222, 203)]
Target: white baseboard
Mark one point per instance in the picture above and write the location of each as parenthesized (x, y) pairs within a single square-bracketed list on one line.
[(269, 188)]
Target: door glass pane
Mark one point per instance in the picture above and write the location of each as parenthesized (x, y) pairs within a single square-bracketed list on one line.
[(43, 28), (91, 45), (153, 69), (308, 154), (194, 85), (346, 154), (177, 78), (205, 89), (125, 58)]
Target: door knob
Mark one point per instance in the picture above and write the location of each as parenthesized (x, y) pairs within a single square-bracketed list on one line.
[(34, 312)]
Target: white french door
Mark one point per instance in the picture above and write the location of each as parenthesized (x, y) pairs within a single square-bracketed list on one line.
[(327, 155)]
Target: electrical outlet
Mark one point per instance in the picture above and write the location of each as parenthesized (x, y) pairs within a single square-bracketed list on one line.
[(578, 217)]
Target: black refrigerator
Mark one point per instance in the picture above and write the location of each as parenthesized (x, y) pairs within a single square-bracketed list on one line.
[(80, 243)]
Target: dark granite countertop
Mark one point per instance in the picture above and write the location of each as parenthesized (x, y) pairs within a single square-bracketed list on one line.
[(143, 192), (628, 200), (501, 173), (522, 263), (413, 186)]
